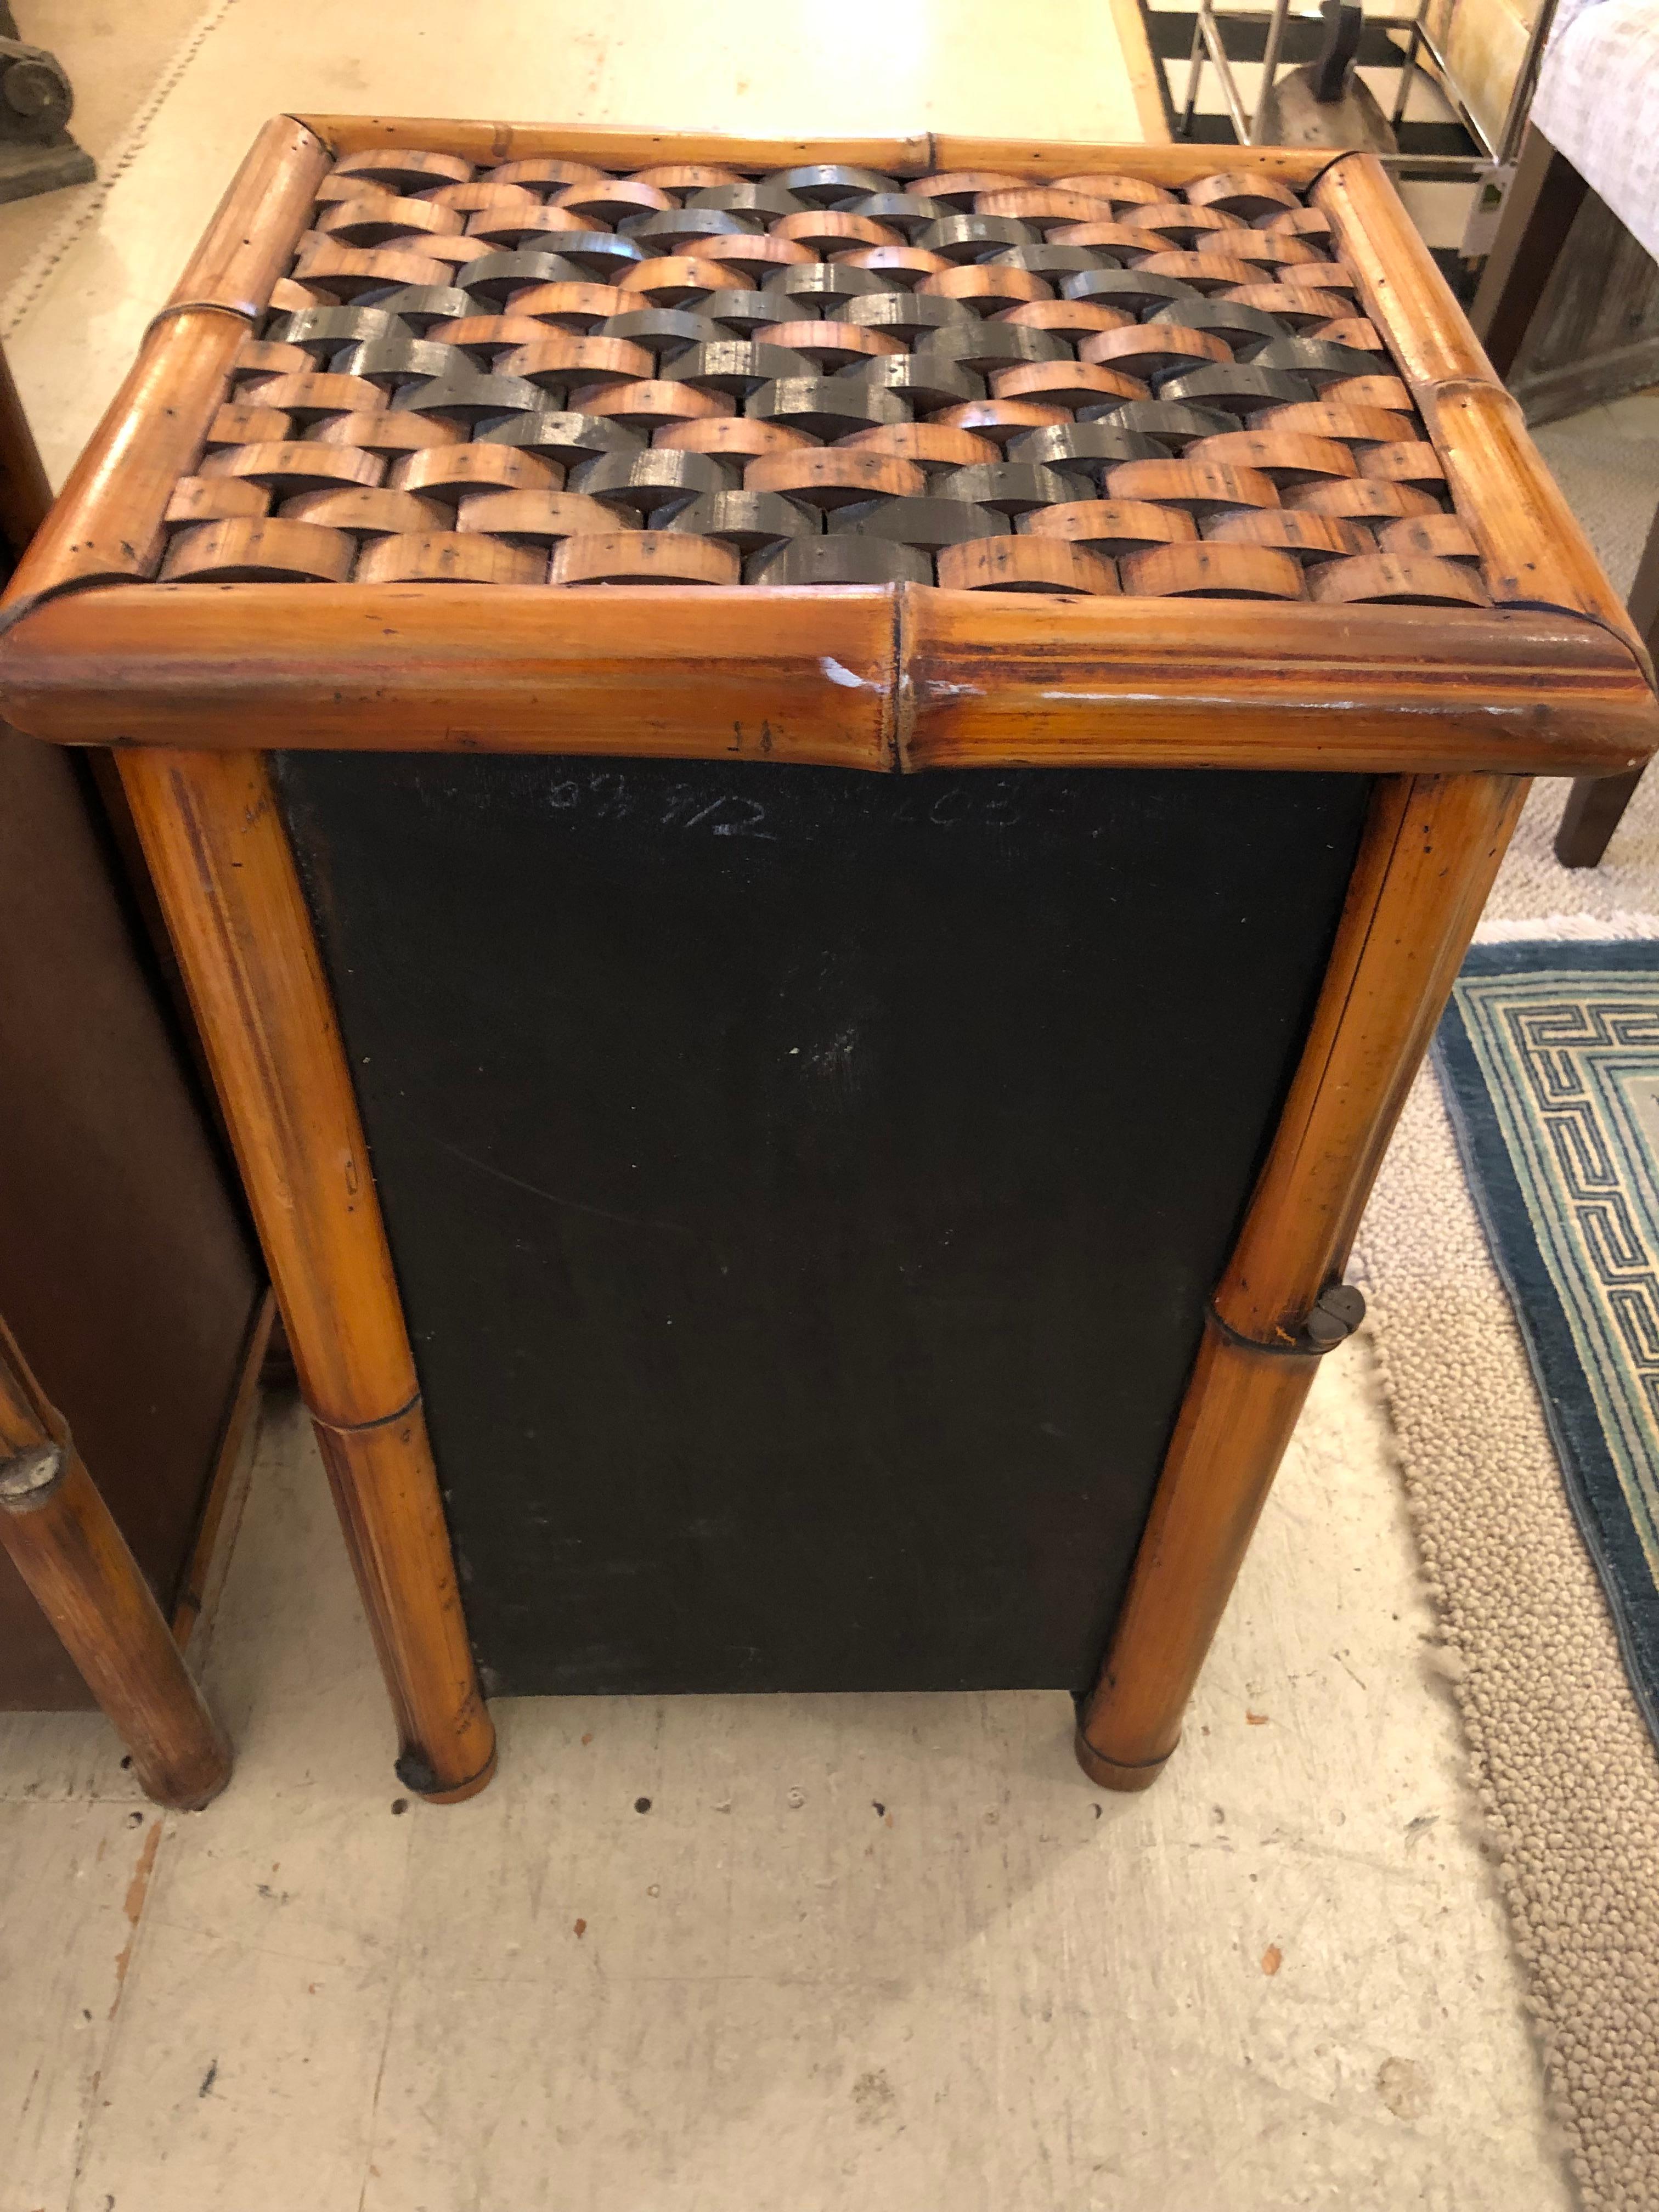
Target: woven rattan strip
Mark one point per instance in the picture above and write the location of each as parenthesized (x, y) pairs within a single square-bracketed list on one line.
[(542, 373)]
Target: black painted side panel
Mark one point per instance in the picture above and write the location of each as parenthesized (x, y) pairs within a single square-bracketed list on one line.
[(804, 1185)]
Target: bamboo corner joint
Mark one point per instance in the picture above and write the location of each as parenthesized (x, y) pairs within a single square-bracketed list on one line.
[(1449, 689)]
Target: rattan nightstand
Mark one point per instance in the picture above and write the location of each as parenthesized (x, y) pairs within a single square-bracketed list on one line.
[(1155, 497)]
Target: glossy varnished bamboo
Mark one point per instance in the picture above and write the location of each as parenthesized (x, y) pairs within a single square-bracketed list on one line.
[(1296, 166), (250, 241), (106, 523), (225, 876), (752, 675), (1431, 849), (60, 1536), (1239, 1414), (994, 680), (1406, 296), (487, 143), (853, 678), (1535, 553), (918, 154), (974, 678)]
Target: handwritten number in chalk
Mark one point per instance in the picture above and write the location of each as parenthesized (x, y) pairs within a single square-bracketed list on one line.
[(727, 814)]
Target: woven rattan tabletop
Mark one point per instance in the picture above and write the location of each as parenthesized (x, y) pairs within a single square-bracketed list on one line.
[(542, 371), (940, 375)]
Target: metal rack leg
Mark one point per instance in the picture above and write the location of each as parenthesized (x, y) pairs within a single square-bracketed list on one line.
[(1408, 66), (1269, 63), (1194, 76)]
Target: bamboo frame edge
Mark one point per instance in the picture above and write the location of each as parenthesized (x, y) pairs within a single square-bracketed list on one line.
[(40, 581), (1534, 620), (1446, 333), (488, 141), (1605, 718), (911, 154), (261, 212), (116, 463)]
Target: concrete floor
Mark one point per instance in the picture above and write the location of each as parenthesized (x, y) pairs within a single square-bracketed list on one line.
[(889, 1951)]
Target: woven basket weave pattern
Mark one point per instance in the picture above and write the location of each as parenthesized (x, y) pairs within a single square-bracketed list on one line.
[(543, 374)]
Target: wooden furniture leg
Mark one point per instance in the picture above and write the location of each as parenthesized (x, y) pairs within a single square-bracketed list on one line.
[(1546, 193), (25, 493), (62, 1540), (226, 878), (1595, 807), (1432, 848), (1596, 804)]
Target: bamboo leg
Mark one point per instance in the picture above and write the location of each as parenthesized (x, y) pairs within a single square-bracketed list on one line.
[(60, 1536), (226, 880), (1431, 849), (1235, 1422)]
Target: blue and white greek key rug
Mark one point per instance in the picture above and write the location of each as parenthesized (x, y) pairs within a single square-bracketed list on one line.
[(1548, 1056)]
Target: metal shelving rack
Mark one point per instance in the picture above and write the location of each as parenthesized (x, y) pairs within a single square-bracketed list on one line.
[(1209, 46)]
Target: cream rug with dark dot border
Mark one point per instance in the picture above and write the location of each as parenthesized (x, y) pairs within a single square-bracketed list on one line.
[(1563, 1765)]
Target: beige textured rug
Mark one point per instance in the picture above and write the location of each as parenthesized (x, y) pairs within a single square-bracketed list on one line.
[(1562, 1766)]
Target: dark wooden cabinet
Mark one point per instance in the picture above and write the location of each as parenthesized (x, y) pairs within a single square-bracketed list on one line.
[(128, 1272)]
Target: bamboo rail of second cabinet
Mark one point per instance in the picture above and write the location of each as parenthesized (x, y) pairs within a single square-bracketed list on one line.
[(224, 874), (1431, 849), (63, 1541)]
